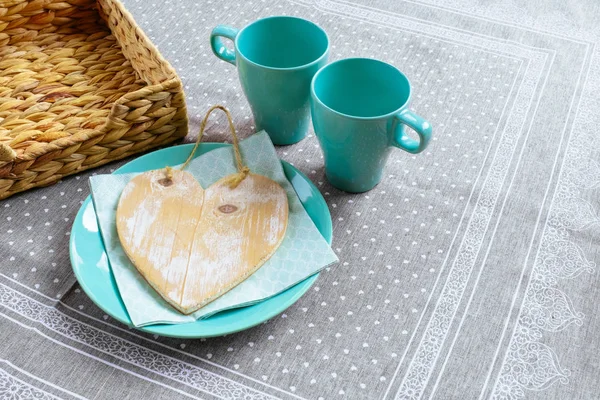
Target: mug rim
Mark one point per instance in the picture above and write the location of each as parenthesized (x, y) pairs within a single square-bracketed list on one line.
[(315, 61), (390, 114)]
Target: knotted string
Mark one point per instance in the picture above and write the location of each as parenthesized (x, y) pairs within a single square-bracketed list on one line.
[(233, 180)]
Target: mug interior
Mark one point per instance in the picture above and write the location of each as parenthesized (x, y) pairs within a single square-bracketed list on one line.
[(282, 42), (361, 87)]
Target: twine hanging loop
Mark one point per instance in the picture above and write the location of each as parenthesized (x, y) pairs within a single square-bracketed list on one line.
[(243, 171)]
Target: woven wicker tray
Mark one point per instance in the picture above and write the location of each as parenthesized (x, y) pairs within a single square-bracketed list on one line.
[(80, 85)]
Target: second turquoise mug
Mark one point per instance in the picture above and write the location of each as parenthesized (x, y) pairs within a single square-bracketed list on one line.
[(360, 111), (276, 58)]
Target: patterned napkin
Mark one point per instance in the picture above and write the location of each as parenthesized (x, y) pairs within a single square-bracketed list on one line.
[(302, 253)]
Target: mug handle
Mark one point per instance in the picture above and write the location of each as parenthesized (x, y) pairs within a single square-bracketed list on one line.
[(418, 124), (217, 44)]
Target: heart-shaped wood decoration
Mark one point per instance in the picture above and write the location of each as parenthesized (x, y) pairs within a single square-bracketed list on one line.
[(193, 245)]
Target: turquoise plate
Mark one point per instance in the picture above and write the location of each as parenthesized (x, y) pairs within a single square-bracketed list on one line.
[(92, 270)]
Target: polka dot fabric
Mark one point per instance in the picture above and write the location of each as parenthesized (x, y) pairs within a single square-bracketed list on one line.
[(348, 331), (346, 337)]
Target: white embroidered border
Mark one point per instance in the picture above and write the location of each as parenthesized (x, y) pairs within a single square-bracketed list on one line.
[(125, 350), (557, 160), (13, 368), (511, 15), (459, 36), (435, 334), (15, 389), (431, 343), (135, 333), (528, 363)]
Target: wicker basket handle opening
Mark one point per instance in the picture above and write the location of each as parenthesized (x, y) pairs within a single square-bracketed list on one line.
[(145, 59), (136, 46)]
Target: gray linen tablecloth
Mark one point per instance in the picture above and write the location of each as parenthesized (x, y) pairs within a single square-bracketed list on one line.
[(469, 273)]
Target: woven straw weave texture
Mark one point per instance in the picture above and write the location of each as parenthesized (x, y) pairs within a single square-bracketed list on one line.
[(80, 85)]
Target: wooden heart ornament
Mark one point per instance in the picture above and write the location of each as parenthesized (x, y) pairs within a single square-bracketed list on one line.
[(193, 245)]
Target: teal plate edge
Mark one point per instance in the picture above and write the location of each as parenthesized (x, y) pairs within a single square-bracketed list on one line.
[(94, 275)]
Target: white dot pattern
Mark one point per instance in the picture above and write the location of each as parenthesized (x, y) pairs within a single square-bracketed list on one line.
[(345, 335)]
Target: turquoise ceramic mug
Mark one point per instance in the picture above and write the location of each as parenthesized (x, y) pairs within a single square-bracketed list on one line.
[(360, 111), (276, 58)]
